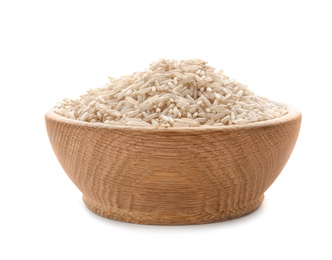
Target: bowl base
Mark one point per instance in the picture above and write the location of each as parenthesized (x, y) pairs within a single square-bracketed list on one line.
[(155, 218)]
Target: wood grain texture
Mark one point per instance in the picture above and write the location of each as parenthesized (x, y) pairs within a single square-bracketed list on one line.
[(173, 176)]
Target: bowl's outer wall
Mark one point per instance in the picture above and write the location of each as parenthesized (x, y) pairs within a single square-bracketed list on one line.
[(161, 177)]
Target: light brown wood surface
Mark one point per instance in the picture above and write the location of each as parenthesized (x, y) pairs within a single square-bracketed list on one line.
[(173, 176)]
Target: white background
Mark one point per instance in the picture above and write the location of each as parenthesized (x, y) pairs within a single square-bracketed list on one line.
[(50, 50)]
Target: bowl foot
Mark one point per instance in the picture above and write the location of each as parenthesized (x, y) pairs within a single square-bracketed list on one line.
[(156, 218)]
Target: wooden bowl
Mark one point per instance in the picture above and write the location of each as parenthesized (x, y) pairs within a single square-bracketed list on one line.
[(173, 176)]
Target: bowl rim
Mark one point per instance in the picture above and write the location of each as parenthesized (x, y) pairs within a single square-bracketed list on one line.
[(293, 114)]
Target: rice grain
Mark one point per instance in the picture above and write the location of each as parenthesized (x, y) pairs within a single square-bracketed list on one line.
[(171, 93)]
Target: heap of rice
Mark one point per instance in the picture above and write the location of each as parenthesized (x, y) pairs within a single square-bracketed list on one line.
[(171, 93)]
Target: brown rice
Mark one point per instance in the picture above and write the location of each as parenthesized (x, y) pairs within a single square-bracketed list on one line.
[(172, 93)]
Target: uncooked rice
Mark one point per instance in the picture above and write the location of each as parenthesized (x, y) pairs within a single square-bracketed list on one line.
[(172, 93)]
